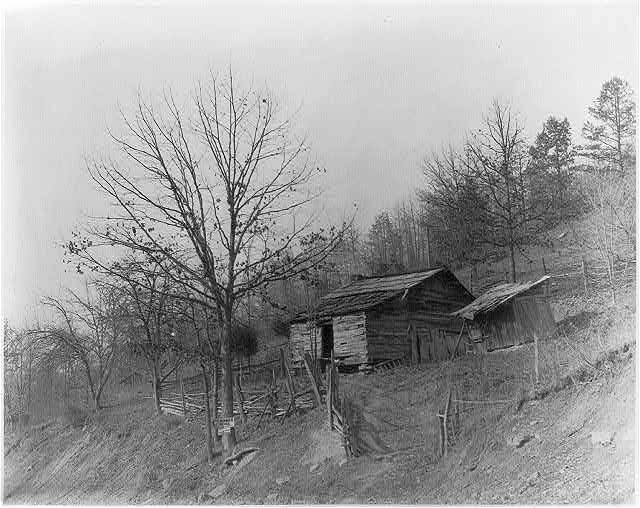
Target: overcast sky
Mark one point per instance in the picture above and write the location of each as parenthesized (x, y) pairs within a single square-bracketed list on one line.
[(378, 86)]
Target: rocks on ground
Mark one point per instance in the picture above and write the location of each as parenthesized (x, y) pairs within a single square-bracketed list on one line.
[(283, 479), (204, 498), (271, 497), (519, 440), (602, 437), (218, 491)]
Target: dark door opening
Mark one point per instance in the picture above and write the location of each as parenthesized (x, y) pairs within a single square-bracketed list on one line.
[(326, 346)]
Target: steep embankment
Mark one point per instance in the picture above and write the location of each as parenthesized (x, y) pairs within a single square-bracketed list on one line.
[(577, 430)]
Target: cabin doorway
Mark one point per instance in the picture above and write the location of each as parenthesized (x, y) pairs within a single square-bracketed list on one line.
[(326, 345)]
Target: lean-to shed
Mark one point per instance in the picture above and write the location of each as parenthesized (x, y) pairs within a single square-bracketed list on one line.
[(385, 318), (509, 314)]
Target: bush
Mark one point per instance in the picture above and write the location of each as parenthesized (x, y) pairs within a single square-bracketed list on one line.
[(245, 340), (74, 416)]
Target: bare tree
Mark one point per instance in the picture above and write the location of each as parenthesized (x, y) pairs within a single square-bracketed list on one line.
[(609, 183), (498, 161), (196, 186), (452, 207), (384, 245), (611, 230), (20, 353), (207, 334), (151, 300), (93, 331)]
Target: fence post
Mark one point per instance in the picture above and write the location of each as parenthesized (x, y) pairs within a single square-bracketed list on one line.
[(455, 348), (334, 377), (345, 428), (610, 269), (274, 393), (243, 415), (184, 404), (330, 394), (441, 428), (289, 382), (444, 424), (584, 275), (535, 356), (307, 364)]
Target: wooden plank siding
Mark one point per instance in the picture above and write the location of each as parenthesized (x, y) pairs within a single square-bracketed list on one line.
[(515, 322), (427, 307), (350, 338), (387, 327)]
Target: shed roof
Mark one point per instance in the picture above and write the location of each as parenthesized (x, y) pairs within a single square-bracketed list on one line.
[(368, 292), (495, 297)]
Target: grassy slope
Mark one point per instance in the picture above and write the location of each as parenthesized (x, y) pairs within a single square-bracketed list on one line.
[(128, 456), (564, 254)]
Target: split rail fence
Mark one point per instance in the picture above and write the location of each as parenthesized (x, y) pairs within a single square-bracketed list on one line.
[(186, 397)]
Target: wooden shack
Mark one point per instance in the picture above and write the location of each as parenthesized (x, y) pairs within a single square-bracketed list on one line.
[(374, 319), (508, 315)]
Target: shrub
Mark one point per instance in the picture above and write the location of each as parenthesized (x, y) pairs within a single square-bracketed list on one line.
[(74, 416)]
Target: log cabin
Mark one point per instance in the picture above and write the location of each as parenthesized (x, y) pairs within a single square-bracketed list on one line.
[(507, 315), (381, 318)]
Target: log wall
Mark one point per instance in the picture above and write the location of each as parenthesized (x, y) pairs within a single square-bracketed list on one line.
[(387, 327), (427, 307), (301, 341), (350, 338)]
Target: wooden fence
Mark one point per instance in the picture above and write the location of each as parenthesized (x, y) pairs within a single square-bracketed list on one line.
[(449, 422), (578, 277), (358, 436), (187, 398)]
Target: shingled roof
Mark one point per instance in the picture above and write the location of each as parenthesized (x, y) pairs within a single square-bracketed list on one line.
[(495, 297), (367, 293)]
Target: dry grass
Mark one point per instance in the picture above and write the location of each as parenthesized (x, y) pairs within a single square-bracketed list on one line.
[(124, 454), (403, 403), (74, 416)]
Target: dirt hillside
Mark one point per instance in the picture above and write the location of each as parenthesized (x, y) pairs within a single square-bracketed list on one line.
[(571, 438)]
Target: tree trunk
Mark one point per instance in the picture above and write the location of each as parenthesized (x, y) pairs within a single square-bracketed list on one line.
[(95, 394), (155, 386), (29, 382), (133, 375), (228, 438), (216, 387), (207, 414), (156, 396), (512, 260), (428, 249)]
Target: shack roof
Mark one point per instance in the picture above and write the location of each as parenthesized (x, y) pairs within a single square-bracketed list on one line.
[(495, 297), (367, 293)]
